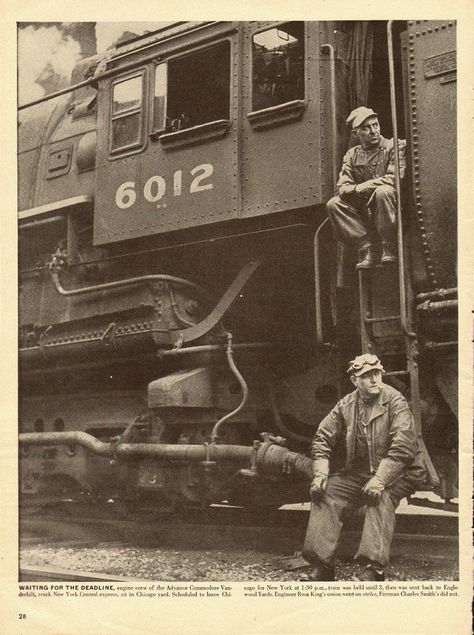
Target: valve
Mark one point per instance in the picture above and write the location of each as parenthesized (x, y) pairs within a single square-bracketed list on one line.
[(58, 259), (267, 437)]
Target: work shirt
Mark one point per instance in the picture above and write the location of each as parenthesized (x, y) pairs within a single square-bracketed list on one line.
[(361, 451), (374, 167)]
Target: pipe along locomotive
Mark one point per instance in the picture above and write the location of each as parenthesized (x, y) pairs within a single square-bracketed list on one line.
[(186, 315)]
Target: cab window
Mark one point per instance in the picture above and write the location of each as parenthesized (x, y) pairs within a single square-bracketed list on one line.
[(278, 65), (127, 115), (192, 90)]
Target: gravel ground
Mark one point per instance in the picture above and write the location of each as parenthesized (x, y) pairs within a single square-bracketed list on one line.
[(230, 565)]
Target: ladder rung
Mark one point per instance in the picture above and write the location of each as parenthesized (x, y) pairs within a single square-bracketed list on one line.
[(396, 372), (387, 318)]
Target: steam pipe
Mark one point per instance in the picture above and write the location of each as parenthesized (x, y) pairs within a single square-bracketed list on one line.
[(442, 305), (430, 345), (117, 284), (401, 256), (271, 459), (439, 293), (127, 342), (245, 390), (210, 348)]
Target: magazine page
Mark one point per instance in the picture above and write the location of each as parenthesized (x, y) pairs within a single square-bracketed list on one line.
[(236, 318)]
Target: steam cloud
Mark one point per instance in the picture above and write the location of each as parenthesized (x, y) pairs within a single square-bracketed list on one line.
[(108, 33), (46, 57), (48, 52)]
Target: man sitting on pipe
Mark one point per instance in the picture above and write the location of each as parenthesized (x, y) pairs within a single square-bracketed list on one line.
[(366, 202), (365, 452)]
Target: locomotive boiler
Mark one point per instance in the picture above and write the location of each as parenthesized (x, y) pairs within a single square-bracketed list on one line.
[(185, 312)]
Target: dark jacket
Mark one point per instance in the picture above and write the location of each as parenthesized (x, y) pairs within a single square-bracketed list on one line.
[(394, 450)]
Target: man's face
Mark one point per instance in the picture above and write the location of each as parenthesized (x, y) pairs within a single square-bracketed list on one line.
[(368, 133), (368, 384)]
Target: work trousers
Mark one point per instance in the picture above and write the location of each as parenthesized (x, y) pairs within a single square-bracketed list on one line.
[(343, 495), (354, 218)]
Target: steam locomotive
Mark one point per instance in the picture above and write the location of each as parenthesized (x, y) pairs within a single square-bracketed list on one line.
[(186, 315)]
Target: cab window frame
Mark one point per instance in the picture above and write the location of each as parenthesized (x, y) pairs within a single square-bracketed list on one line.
[(164, 133), (138, 145), (156, 130), (282, 105)]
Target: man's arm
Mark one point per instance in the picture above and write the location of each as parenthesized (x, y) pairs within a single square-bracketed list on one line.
[(328, 432), (404, 442), (346, 183), (324, 441), (367, 187)]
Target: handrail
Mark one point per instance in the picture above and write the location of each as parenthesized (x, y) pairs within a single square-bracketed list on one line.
[(401, 261), (117, 284), (317, 289), (332, 80)]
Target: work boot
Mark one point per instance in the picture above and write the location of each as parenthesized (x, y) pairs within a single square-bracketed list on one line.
[(371, 574), (366, 258), (320, 573), (388, 254)]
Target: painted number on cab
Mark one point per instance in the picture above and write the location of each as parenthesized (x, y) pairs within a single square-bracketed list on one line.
[(156, 187)]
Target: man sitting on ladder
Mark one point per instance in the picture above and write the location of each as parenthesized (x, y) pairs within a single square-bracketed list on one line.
[(366, 198)]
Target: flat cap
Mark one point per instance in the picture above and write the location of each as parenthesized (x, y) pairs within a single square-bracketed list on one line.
[(363, 363), (359, 115)]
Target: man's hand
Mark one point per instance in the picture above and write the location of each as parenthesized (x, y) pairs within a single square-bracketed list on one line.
[(346, 189), (373, 490), (318, 486), (364, 189), (320, 479)]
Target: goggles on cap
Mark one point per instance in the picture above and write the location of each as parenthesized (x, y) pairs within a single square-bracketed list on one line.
[(363, 360)]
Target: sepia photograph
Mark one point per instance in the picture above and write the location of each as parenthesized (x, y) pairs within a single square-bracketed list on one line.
[(238, 333), (237, 319)]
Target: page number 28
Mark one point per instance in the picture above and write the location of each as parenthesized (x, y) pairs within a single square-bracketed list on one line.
[(22, 616)]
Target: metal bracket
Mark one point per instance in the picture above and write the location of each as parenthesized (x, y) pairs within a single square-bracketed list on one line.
[(108, 336), (224, 304), (252, 472)]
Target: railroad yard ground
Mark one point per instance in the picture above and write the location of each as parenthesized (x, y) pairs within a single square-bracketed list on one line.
[(233, 565), (230, 547)]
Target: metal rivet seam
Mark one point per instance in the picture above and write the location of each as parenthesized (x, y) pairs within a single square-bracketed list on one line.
[(416, 170)]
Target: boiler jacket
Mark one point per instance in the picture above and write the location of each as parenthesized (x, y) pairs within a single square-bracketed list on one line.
[(349, 212), (394, 456)]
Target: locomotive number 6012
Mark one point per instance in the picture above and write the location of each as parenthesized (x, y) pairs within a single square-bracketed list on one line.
[(155, 187)]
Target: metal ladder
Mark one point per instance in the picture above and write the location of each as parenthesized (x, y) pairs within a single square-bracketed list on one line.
[(410, 349), (404, 317)]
